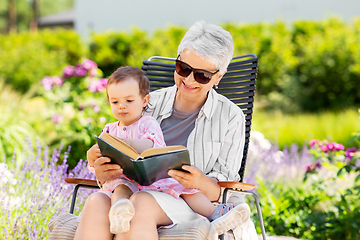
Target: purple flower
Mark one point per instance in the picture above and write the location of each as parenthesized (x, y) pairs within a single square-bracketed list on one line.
[(68, 71), (81, 107), (88, 64), (47, 83), (312, 167), (317, 165), (80, 71), (308, 167), (57, 118)]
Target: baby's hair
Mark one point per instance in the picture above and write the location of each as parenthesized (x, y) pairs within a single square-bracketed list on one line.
[(123, 73)]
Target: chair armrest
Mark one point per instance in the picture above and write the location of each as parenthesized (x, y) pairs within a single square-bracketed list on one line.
[(81, 181), (237, 185)]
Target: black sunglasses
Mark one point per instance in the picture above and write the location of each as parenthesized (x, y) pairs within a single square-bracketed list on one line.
[(201, 76)]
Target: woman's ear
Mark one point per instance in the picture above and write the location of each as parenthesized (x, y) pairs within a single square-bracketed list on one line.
[(220, 77), (146, 100)]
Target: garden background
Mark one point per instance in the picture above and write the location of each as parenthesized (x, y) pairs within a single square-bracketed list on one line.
[(304, 149)]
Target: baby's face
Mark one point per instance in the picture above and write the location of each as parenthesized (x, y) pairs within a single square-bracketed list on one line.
[(126, 102)]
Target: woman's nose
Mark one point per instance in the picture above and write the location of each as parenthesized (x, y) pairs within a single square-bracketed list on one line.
[(190, 78)]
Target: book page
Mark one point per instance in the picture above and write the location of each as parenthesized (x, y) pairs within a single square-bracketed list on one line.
[(161, 150), (120, 145)]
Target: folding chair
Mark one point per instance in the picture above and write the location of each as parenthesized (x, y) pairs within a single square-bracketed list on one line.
[(238, 85)]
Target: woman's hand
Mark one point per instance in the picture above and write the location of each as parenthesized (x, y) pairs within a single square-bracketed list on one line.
[(191, 179), (105, 172), (195, 178)]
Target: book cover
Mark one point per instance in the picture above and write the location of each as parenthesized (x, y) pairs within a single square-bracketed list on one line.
[(147, 167)]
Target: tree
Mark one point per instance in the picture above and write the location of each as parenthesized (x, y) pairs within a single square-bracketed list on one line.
[(11, 28), (35, 15)]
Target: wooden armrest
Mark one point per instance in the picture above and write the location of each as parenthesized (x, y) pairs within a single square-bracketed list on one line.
[(81, 181), (237, 185)]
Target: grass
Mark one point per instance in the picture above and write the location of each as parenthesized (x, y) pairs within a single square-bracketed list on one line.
[(285, 130)]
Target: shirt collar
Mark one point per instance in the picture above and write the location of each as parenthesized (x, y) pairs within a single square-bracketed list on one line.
[(207, 109), (210, 104)]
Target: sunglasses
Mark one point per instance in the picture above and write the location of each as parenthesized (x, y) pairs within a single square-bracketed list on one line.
[(201, 76)]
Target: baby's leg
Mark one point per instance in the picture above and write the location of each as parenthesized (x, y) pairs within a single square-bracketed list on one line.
[(199, 203), (121, 191), (122, 210)]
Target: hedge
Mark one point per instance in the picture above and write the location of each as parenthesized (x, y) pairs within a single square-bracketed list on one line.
[(307, 66), (27, 57)]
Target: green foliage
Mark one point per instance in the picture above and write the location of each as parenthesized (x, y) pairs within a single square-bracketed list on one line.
[(329, 65), (324, 206), (14, 126), (300, 128), (27, 57), (73, 111), (114, 49)]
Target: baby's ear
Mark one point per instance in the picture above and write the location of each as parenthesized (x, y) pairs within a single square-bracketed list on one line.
[(146, 100)]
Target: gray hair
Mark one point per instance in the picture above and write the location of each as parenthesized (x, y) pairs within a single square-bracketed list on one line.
[(210, 42)]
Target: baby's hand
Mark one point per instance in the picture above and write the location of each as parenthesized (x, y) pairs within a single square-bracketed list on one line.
[(92, 154)]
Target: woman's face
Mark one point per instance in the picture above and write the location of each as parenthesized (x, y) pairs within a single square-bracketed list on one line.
[(187, 86)]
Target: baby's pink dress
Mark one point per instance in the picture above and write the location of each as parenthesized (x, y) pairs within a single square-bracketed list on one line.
[(145, 128)]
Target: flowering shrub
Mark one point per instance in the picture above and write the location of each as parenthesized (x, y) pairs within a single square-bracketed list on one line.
[(332, 155), (76, 107), (31, 194), (325, 206)]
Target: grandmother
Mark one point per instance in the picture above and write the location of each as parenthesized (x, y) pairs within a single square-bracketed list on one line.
[(192, 114)]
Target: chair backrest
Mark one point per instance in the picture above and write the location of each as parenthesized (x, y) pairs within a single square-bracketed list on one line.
[(238, 85)]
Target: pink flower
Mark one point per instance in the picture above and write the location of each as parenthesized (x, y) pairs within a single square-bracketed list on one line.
[(339, 146), (93, 72), (80, 71), (323, 148), (313, 142), (47, 83), (68, 71), (97, 85), (350, 152), (57, 80), (103, 82), (330, 146), (57, 118), (88, 64), (96, 109)]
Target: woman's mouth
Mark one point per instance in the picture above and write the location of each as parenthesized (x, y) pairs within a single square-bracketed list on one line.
[(189, 87)]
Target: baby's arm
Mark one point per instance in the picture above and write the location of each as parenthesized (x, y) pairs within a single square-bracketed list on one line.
[(92, 154), (139, 145)]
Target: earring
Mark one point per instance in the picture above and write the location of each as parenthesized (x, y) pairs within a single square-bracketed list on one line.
[(216, 86)]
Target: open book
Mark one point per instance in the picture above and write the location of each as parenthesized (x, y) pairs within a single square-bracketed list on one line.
[(146, 167)]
